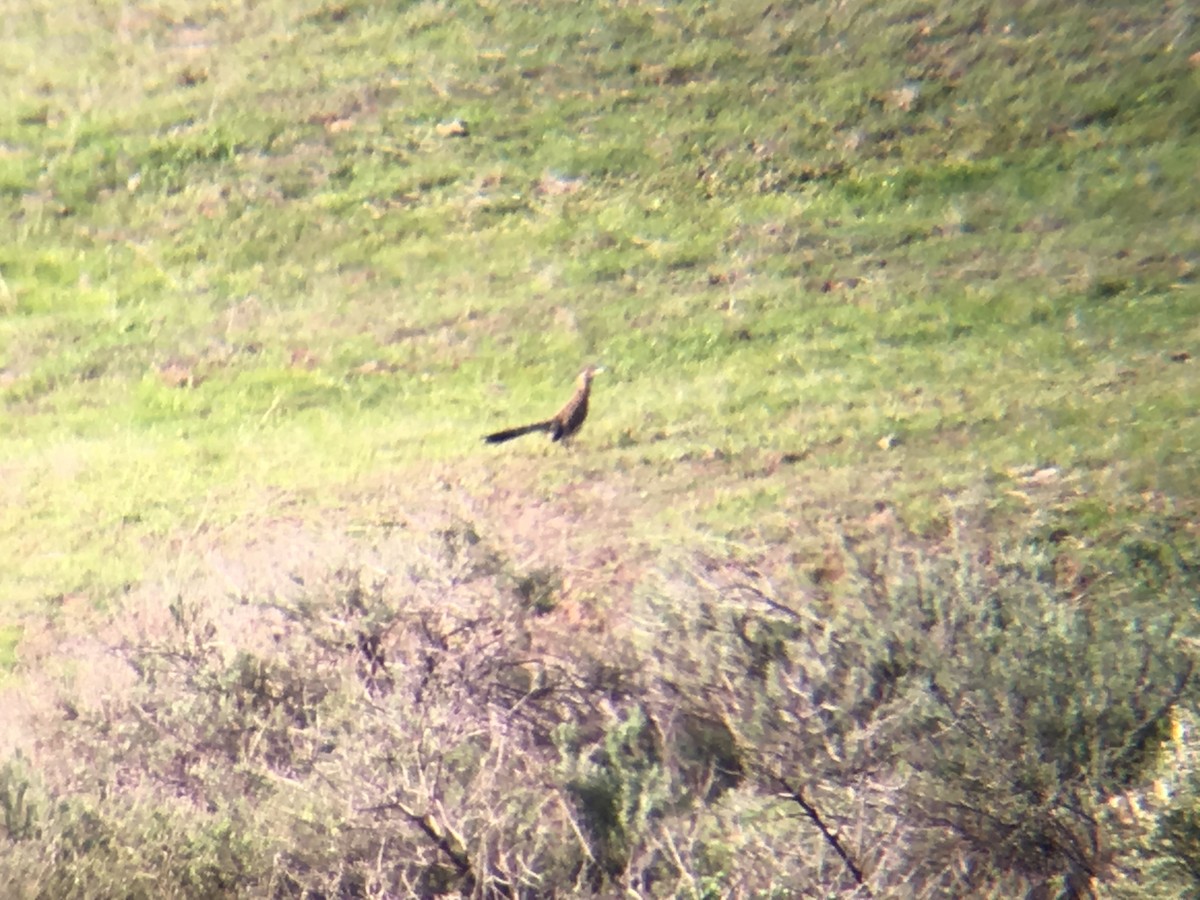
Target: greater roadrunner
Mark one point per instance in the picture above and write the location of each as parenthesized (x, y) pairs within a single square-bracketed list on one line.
[(565, 422)]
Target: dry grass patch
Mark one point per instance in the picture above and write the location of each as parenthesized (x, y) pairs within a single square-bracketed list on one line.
[(415, 711)]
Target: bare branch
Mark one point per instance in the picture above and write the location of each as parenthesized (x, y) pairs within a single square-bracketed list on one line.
[(797, 796)]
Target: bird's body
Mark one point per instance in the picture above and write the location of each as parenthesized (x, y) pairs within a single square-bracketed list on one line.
[(563, 425)]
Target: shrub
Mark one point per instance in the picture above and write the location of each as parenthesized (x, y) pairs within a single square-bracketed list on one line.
[(944, 722)]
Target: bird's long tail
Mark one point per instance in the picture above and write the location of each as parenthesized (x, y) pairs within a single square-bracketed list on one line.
[(501, 436)]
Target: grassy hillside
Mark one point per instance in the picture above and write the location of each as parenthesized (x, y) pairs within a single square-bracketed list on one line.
[(269, 270), (884, 255)]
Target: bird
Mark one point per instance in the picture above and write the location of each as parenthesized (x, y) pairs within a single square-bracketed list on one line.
[(563, 424)]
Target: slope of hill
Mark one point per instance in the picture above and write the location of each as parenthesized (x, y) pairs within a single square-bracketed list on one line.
[(890, 296)]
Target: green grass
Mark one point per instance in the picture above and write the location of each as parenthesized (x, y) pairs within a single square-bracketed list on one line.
[(914, 250), (895, 447)]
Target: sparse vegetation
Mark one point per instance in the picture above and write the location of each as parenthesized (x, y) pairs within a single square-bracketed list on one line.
[(957, 722), (873, 573)]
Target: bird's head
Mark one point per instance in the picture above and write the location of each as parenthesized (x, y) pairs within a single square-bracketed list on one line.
[(589, 372)]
